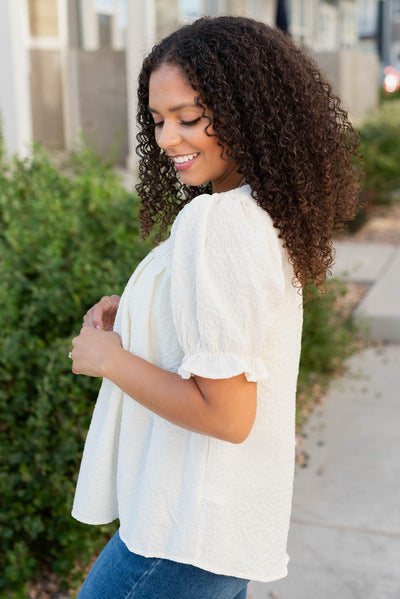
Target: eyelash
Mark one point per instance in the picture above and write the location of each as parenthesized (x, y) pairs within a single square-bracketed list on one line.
[(186, 123)]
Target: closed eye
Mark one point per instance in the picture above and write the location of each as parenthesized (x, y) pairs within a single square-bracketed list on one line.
[(189, 123), (186, 123)]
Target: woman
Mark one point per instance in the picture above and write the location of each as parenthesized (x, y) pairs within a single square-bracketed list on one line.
[(248, 154)]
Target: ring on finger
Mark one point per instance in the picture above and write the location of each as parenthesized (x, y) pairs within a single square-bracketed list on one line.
[(107, 299)]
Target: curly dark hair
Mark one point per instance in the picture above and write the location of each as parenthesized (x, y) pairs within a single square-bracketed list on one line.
[(281, 122)]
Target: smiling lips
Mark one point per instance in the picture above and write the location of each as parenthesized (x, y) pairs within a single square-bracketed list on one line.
[(184, 161)]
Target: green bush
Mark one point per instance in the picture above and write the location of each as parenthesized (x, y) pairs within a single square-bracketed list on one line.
[(329, 338), (64, 242), (380, 147), (383, 97)]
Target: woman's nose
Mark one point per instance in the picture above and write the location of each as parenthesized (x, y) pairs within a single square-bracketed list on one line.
[(168, 136)]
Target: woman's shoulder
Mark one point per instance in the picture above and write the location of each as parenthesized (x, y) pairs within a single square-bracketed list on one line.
[(229, 222), (233, 207)]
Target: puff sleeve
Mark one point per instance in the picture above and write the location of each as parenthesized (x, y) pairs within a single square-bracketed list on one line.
[(227, 283)]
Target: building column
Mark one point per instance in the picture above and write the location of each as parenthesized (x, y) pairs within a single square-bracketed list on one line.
[(88, 19), (63, 34), (141, 34), (15, 102)]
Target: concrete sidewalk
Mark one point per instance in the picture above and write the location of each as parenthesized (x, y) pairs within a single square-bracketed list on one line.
[(344, 538), (379, 267)]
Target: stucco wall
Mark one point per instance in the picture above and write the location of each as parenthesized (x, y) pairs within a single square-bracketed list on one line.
[(359, 82), (46, 98), (355, 78), (329, 63), (102, 104)]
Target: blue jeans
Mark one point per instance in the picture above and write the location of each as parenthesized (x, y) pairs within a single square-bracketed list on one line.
[(120, 574)]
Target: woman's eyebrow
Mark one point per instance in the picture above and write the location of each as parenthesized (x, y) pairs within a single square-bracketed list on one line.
[(176, 108)]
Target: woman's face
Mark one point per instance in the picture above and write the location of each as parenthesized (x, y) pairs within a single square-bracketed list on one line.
[(180, 132)]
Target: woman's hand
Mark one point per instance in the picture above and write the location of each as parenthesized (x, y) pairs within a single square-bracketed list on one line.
[(102, 314), (92, 349)]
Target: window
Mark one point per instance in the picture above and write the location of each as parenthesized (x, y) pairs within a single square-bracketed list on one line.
[(108, 28), (189, 10), (104, 10), (104, 23), (367, 18), (348, 26), (327, 24)]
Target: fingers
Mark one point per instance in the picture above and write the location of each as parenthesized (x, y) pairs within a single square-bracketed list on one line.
[(91, 349), (71, 354), (102, 314), (94, 316), (114, 300), (105, 298), (97, 314), (79, 349)]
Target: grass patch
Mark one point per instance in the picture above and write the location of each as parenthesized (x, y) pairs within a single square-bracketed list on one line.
[(330, 336)]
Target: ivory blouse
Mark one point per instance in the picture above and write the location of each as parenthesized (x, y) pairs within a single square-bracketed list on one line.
[(215, 299)]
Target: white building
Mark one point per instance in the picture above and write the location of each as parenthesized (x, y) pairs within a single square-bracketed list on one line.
[(71, 65)]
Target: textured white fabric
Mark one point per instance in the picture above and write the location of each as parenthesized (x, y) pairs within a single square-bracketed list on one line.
[(216, 299)]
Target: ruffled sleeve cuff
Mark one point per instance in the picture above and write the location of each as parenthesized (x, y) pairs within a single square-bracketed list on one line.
[(223, 366)]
